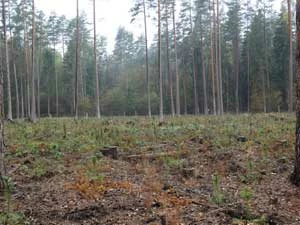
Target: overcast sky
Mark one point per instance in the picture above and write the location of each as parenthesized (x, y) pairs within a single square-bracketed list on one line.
[(110, 15)]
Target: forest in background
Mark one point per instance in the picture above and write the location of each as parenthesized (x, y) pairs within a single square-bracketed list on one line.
[(211, 57)]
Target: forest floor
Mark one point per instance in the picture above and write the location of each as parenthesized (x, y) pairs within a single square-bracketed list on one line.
[(187, 170)]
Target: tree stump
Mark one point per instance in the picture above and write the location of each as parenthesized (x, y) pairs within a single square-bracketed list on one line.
[(111, 152)]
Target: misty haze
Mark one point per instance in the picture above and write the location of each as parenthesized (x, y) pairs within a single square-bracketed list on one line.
[(158, 112)]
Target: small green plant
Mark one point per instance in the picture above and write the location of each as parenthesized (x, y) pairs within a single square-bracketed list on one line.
[(155, 133), (94, 175), (217, 195), (37, 170), (173, 163), (246, 194), (8, 217), (251, 175), (8, 189), (96, 158), (13, 218)]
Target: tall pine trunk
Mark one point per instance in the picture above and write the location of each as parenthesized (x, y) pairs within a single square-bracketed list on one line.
[(15, 71), (77, 59), (17, 92), (7, 66), (168, 65), (290, 85), (96, 64), (22, 98), (212, 55), (147, 60), (216, 52), (221, 103), (235, 44), (56, 82), (248, 62), (295, 177), (26, 66), (39, 63), (161, 103), (196, 101), (264, 74), (33, 97), (205, 105), (2, 146), (176, 61)]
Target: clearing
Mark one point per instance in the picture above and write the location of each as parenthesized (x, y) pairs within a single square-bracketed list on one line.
[(187, 170)]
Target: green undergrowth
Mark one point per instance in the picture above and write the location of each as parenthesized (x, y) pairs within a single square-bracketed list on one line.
[(45, 148)]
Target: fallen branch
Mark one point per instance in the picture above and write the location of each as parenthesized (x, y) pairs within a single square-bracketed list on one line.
[(153, 156)]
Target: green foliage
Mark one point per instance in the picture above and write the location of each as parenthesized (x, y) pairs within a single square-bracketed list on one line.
[(8, 217), (13, 219), (263, 220), (246, 194), (251, 175), (173, 163), (217, 195), (39, 170)]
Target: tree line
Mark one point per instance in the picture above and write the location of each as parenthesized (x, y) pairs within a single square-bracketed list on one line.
[(207, 57)]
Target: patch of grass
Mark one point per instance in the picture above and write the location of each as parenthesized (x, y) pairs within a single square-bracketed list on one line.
[(13, 218), (173, 163), (218, 196), (246, 194), (251, 175), (263, 220)]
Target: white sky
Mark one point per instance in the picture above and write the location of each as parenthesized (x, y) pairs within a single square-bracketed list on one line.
[(110, 15)]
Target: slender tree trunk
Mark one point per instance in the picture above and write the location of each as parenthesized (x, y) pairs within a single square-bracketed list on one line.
[(38, 82), (26, 65), (221, 103), (15, 71), (22, 98), (63, 44), (235, 45), (212, 52), (33, 102), (295, 177), (7, 67), (203, 70), (248, 79), (96, 64), (248, 61), (2, 146), (147, 60), (27, 79), (77, 59), (185, 95), (49, 106), (17, 92), (56, 82), (176, 61), (28, 84), (161, 105), (196, 101), (265, 66), (290, 88), (168, 65), (216, 52)]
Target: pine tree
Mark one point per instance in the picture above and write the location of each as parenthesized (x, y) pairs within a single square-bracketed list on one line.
[(77, 61), (291, 80), (7, 61), (295, 177), (33, 67), (96, 64)]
